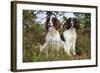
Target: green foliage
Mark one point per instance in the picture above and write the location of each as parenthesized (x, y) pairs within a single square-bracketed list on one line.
[(34, 36), (84, 19), (28, 19), (83, 44)]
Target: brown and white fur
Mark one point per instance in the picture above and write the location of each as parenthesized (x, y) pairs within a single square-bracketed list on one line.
[(53, 37), (70, 35)]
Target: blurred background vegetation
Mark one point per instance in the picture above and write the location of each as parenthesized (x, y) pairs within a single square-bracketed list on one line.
[(34, 34)]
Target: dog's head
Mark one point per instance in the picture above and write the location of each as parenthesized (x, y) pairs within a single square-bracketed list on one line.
[(72, 23), (52, 23)]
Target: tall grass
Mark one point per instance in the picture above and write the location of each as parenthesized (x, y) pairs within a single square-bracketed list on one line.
[(35, 37)]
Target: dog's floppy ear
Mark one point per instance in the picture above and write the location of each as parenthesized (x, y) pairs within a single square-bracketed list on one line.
[(77, 23), (56, 23), (67, 23), (46, 23)]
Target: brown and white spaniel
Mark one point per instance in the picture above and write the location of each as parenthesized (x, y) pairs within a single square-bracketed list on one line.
[(69, 36), (53, 37)]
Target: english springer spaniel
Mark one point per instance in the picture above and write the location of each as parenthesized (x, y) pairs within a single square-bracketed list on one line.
[(53, 37), (69, 36)]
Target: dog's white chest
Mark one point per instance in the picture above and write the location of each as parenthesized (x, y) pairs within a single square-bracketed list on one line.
[(70, 35), (53, 37)]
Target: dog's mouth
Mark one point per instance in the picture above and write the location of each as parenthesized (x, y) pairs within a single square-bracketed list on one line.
[(72, 24), (52, 29)]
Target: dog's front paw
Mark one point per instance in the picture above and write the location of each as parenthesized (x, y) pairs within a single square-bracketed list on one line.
[(74, 53)]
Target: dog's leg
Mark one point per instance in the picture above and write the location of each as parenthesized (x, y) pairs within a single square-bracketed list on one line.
[(67, 49), (42, 48), (73, 47), (73, 50)]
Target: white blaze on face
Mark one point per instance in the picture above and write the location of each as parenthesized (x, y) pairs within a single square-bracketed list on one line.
[(51, 27), (50, 22), (72, 23)]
